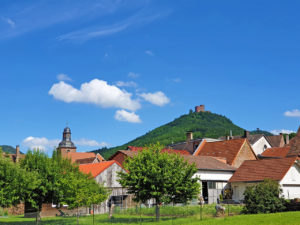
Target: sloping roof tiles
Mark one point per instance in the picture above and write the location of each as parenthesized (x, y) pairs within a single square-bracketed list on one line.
[(96, 168), (276, 152), (208, 163), (258, 170), (74, 156), (225, 149)]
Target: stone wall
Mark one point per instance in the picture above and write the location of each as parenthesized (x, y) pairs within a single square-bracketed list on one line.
[(16, 210)]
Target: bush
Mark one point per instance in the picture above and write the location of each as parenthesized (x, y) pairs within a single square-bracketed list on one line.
[(264, 198)]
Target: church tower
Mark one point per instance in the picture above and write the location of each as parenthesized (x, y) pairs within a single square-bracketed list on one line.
[(66, 145)]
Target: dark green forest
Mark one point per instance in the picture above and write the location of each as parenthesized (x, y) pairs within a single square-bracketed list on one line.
[(203, 124), (8, 149)]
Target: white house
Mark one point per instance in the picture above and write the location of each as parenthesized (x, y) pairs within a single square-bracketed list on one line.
[(284, 170), (214, 174)]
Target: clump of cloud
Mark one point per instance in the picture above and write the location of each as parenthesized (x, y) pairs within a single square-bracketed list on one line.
[(293, 113), (156, 98), (96, 92), (45, 144), (283, 131), (63, 77), (40, 143), (10, 22), (133, 75), (149, 52), (123, 115), (126, 84)]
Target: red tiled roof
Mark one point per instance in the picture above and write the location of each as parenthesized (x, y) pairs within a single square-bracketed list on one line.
[(74, 156), (258, 170), (208, 163), (276, 152), (224, 149), (96, 168), (182, 152)]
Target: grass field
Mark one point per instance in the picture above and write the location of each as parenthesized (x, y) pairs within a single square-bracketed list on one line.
[(291, 218)]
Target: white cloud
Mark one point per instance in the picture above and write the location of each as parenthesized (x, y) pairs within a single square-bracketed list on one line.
[(133, 75), (96, 92), (139, 19), (176, 80), (126, 84), (40, 143), (44, 144), (156, 98), (148, 52), (91, 143), (123, 115), (276, 132), (293, 113), (10, 22), (63, 77)]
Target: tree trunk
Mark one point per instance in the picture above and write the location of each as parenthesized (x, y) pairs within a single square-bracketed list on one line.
[(93, 214), (77, 215), (38, 216), (157, 211)]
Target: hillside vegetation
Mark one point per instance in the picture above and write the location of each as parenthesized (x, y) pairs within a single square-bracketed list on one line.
[(8, 149), (203, 124)]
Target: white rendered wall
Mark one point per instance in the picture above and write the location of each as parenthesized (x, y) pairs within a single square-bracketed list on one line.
[(258, 147), (290, 184), (214, 175), (239, 189)]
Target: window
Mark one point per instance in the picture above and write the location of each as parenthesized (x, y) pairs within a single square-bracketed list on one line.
[(211, 185), (265, 147)]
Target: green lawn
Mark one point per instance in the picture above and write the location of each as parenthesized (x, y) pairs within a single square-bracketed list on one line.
[(290, 218)]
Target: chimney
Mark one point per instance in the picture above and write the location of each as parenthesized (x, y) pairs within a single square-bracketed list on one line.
[(246, 134), (227, 138), (17, 153), (189, 136), (230, 136), (287, 139)]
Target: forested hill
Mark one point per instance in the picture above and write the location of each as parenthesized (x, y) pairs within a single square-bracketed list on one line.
[(203, 124), (8, 149)]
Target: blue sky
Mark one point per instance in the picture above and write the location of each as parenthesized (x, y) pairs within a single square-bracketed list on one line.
[(114, 70)]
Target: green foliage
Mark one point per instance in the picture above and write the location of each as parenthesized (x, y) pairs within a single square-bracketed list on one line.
[(264, 198), (15, 182), (160, 176), (292, 135), (8, 149), (60, 181), (266, 133), (203, 124)]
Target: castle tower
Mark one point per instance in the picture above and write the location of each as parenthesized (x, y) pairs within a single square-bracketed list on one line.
[(66, 145)]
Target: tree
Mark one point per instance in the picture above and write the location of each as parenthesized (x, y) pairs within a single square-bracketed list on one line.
[(161, 176), (61, 182), (15, 183), (81, 190), (263, 198)]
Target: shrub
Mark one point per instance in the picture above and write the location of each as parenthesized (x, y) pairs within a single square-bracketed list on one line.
[(264, 198)]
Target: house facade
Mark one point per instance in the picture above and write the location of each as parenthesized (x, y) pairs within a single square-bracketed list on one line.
[(214, 175), (286, 171), (235, 151), (105, 173)]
